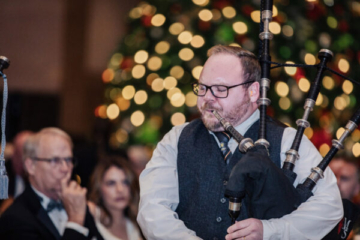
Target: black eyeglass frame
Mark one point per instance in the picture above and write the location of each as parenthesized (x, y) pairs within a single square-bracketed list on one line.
[(56, 160), (212, 92)]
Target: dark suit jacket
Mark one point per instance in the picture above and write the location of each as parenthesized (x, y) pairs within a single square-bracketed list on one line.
[(27, 219)]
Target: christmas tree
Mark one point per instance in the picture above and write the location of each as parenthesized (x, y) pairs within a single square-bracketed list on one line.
[(148, 77)]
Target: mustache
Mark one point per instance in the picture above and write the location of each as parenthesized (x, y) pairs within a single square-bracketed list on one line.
[(207, 106)]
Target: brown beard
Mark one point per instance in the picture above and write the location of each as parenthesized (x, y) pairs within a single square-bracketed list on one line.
[(211, 125), (234, 117)]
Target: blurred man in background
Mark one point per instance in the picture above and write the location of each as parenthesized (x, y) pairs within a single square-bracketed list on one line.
[(51, 206), (347, 173)]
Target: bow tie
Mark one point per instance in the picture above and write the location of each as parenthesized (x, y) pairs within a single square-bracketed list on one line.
[(54, 205)]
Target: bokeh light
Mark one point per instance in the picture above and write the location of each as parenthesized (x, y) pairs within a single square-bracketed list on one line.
[(309, 132), (162, 47), (284, 103), (185, 37), (121, 135), (324, 149), (172, 91), (170, 82), (229, 12), (177, 99), (141, 56), (138, 71), (190, 99), (328, 82), (178, 119), (197, 41), (240, 27), (205, 15), (154, 63), (288, 31), (347, 87), (340, 103), (344, 65), (282, 89), (319, 100), (137, 118), (177, 72), (158, 20), (304, 84), (176, 28), (140, 97), (112, 111), (356, 149), (186, 54), (255, 16), (197, 71), (201, 2), (128, 92), (310, 59), (108, 75), (157, 85), (290, 70), (275, 27), (339, 132), (123, 103)]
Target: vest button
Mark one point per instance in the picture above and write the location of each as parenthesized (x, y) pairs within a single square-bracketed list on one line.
[(218, 219), (225, 182), (223, 200)]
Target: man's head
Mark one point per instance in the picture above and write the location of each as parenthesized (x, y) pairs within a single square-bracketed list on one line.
[(348, 176), (17, 158), (48, 159), (229, 66)]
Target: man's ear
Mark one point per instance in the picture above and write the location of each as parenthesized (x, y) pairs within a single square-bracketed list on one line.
[(254, 91), (29, 166)]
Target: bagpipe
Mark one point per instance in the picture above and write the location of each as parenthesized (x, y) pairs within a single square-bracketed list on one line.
[(255, 176)]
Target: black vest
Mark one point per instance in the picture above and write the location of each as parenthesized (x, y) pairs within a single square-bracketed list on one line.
[(203, 176)]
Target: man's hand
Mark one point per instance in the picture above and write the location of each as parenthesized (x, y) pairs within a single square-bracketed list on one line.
[(73, 196), (249, 229)]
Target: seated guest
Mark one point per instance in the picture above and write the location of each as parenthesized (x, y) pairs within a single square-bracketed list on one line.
[(51, 207), (347, 174), (114, 199), (15, 170)]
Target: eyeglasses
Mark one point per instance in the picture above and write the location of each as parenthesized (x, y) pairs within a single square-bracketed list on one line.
[(219, 91), (57, 161)]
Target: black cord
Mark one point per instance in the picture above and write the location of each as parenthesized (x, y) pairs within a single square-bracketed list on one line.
[(277, 65)]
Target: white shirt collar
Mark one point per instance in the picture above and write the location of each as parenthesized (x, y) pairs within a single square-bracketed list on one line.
[(241, 128), (45, 199), (244, 126)]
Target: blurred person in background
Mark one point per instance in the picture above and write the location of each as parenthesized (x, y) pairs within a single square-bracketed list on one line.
[(139, 156), (114, 198), (15, 170), (51, 206), (347, 173), (346, 170)]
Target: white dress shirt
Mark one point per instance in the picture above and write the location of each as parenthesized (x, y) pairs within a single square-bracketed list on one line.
[(159, 193), (59, 217), (19, 186)]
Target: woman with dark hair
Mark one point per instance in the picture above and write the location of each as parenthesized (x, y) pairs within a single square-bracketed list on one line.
[(114, 199)]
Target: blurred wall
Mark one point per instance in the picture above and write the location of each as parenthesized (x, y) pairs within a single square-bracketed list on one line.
[(58, 50)]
